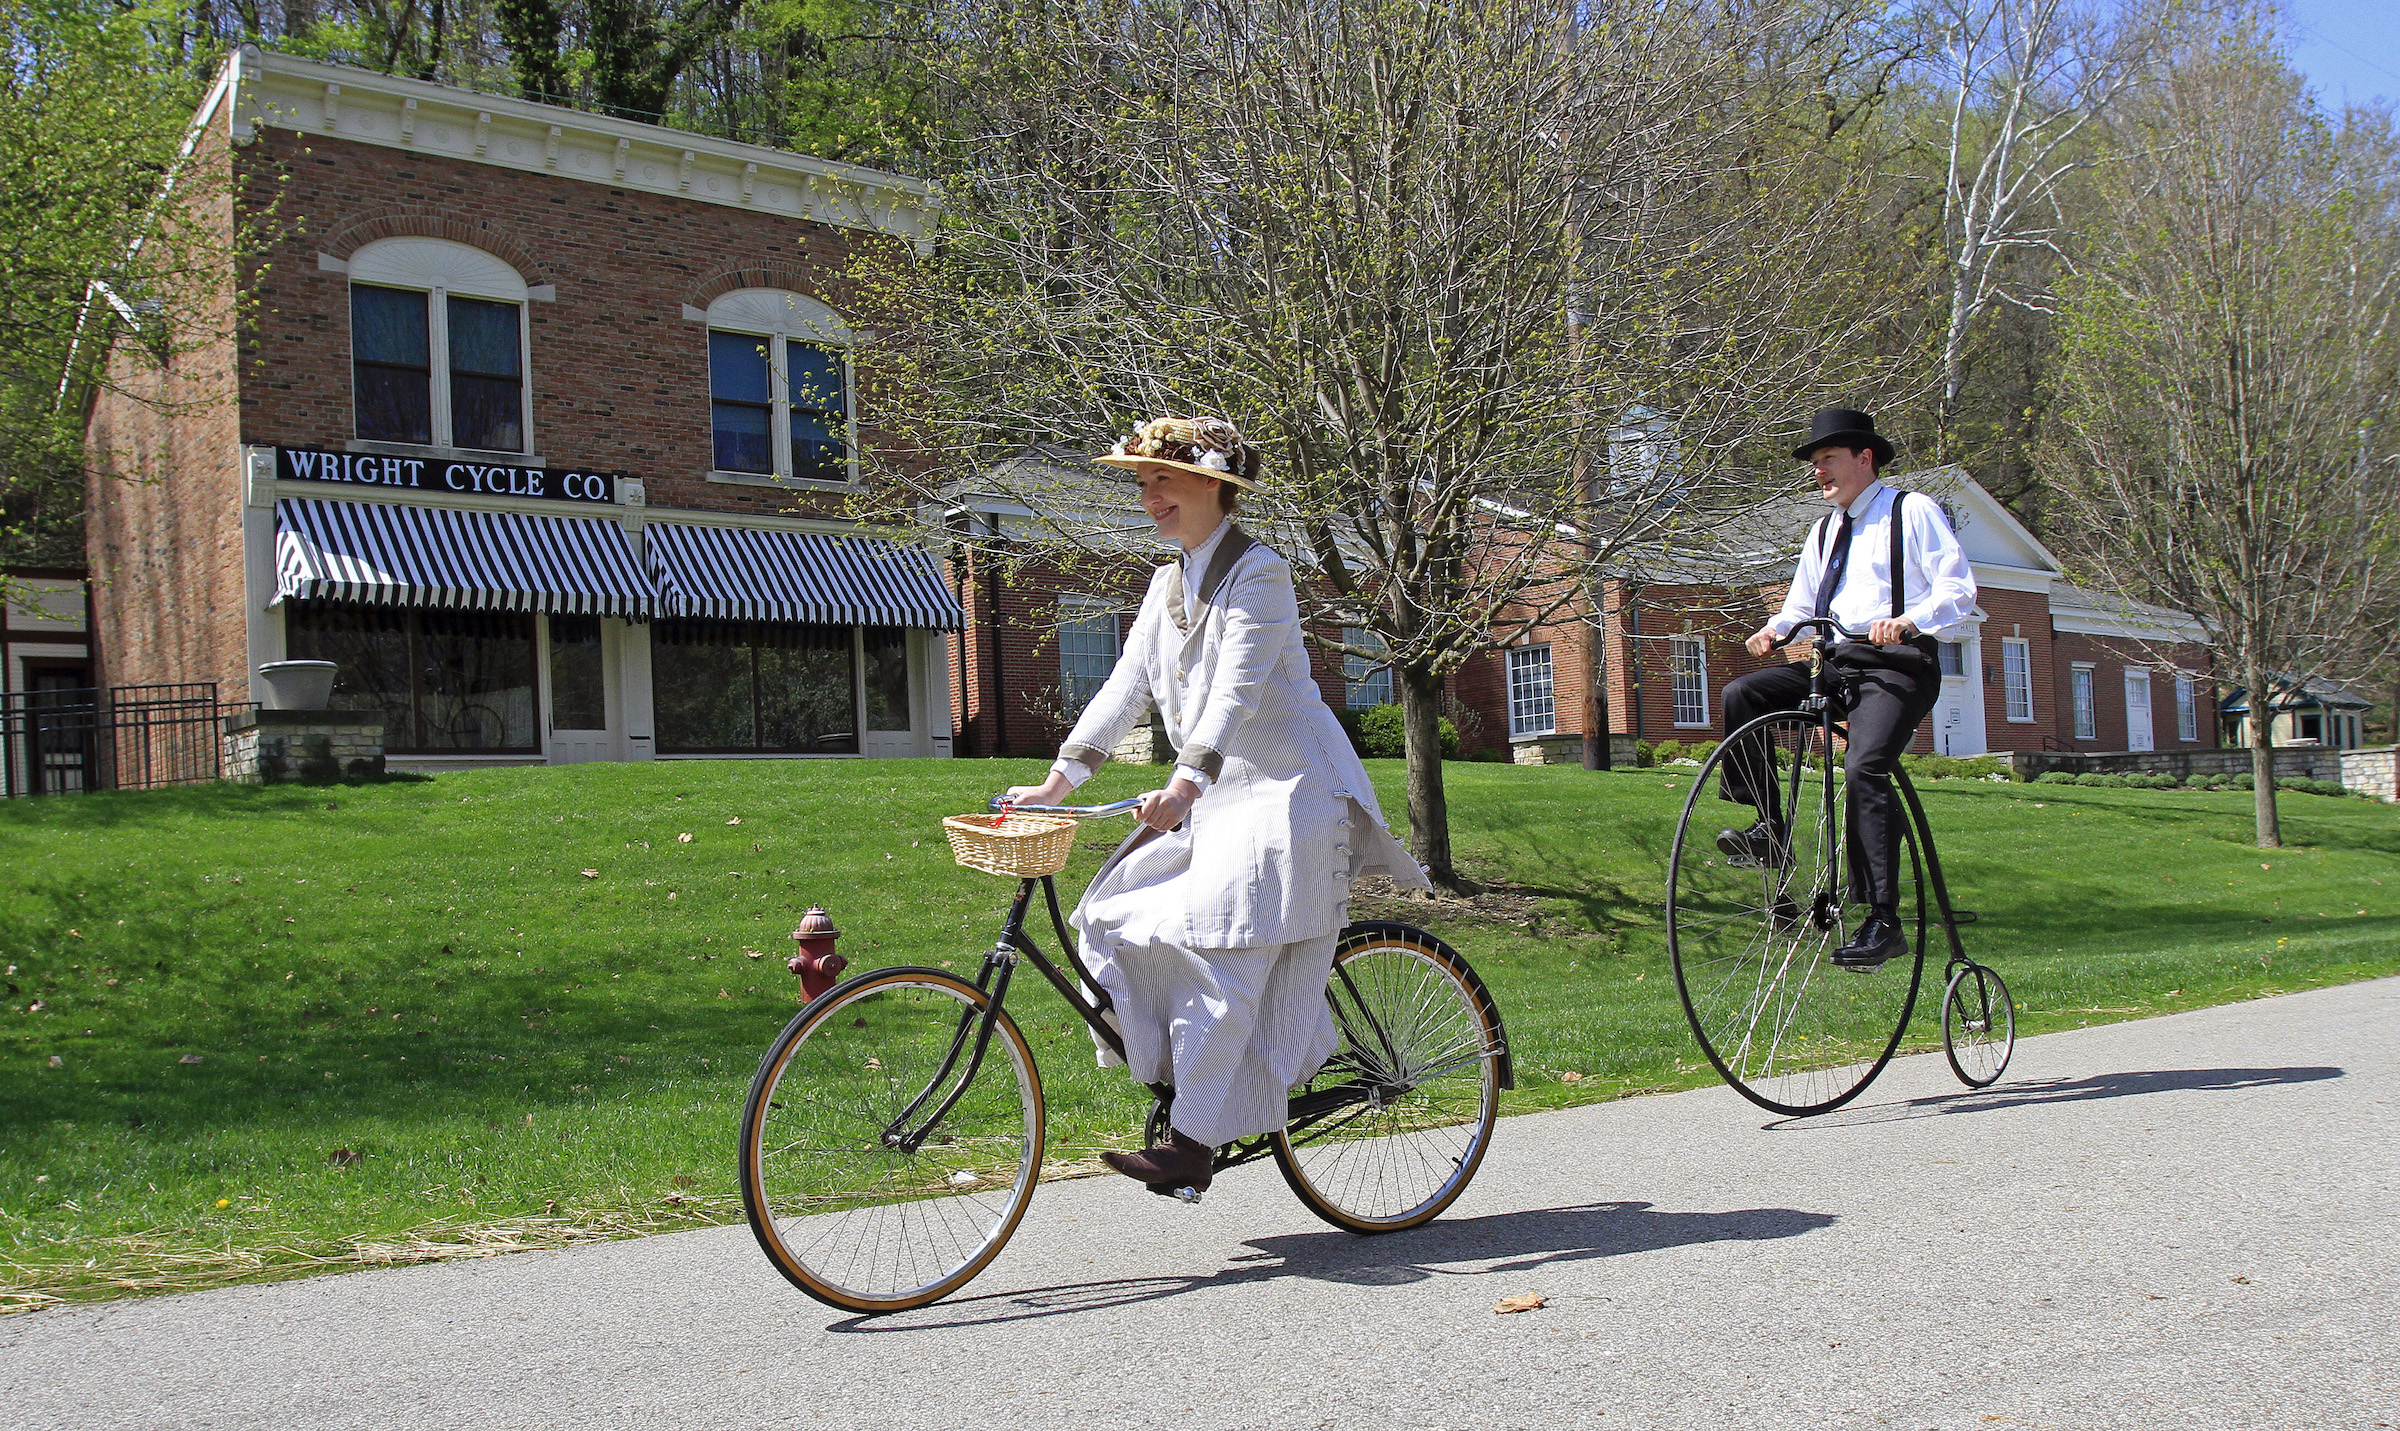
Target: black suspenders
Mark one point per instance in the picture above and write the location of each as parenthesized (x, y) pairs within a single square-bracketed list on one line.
[(1899, 551)]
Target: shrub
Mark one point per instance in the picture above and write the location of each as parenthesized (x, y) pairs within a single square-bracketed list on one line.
[(2241, 781), (2151, 782), (1951, 767), (2054, 777), (2089, 778), (1666, 752), (2195, 782), (1377, 734)]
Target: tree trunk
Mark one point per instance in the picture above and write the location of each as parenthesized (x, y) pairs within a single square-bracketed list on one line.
[(2262, 755), (1428, 803)]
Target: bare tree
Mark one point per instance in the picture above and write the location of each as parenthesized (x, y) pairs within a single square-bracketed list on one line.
[(1424, 251), (2026, 84), (2228, 442)]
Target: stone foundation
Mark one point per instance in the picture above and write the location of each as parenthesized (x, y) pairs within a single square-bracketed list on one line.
[(1568, 750), (273, 747)]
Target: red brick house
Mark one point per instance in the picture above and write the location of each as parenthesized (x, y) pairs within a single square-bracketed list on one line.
[(540, 425), (2044, 665)]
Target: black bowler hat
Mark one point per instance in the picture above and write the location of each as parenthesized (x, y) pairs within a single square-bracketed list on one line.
[(1844, 427)]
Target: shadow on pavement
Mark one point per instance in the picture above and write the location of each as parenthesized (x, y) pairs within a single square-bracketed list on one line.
[(2060, 1090), (1472, 1247)]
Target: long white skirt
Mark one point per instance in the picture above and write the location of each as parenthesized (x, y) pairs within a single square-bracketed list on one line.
[(1232, 1029)]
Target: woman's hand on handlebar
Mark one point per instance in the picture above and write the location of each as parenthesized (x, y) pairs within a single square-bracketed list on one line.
[(1164, 809), (1053, 791)]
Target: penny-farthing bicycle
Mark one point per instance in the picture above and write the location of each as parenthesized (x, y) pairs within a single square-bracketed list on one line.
[(894, 1132), (1752, 939)]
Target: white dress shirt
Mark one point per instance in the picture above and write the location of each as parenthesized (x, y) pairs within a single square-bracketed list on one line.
[(1195, 566), (1941, 586)]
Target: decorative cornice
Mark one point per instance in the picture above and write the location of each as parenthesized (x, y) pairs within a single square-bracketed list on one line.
[(303, 96)]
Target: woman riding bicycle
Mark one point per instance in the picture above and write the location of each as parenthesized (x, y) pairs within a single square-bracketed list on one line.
[(1213, 927)]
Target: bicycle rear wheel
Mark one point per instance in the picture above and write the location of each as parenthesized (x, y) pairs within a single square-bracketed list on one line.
[(1752, 943), (1979, 1025), (1389, 1132), (848, 1203)]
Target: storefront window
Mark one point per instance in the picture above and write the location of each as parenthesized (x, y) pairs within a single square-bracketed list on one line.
[(444, 681), (577, 691), (730, 687), (887, 677)]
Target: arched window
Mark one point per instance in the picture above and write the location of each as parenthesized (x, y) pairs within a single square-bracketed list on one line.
[(779, 388), (437, 346)]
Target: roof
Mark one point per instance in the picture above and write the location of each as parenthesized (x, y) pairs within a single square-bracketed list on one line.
[(262, 89), (2322, 692), (2098, 613)]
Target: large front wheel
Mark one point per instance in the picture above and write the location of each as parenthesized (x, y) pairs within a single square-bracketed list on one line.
[(892, 1138), (1390, 1130), (1752, 931)]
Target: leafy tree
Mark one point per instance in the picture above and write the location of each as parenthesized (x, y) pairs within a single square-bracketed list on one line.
[(2227, 438)]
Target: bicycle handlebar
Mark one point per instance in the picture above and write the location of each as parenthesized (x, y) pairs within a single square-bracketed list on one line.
[(1125, 806), (1831, 627)]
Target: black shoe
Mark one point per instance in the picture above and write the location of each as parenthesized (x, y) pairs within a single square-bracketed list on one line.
[(1877, 941), (1171, 1167), (1762, 846)]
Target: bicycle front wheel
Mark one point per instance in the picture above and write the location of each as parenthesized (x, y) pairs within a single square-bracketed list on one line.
[(1979, 1025), (891, 1141), (1390, 1130), (1752, 939)]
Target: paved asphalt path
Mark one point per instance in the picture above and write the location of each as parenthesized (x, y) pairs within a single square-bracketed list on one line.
[(2182, 1222)]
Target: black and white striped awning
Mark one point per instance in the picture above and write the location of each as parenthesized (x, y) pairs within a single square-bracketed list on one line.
[(841, 580), (439, 556)]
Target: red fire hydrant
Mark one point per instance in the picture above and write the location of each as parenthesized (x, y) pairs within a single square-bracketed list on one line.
[(816, 963)]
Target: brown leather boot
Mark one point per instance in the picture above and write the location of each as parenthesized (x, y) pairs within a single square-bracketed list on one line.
[(1180, 1162)]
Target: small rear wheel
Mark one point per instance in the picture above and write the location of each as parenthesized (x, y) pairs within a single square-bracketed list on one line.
[(860, 1188), (1390, 1131), (1979, 1025)]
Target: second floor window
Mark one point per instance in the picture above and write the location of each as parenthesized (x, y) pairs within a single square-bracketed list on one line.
[(1366, 680), (778, 387), (474, 397)]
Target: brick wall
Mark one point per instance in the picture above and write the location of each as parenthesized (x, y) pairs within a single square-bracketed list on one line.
[(619, 377), (163, 491), (2014, 615), (2109, 659)]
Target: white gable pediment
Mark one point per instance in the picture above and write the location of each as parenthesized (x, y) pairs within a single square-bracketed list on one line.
[(1986, 530)]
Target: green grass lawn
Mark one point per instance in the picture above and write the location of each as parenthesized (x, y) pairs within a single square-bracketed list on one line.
[(252, 1032)]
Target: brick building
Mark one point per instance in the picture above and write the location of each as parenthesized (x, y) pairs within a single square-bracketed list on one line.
[(2043, 665), (540, 426)]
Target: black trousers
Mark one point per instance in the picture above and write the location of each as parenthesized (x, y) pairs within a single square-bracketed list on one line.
[(1884, 707)]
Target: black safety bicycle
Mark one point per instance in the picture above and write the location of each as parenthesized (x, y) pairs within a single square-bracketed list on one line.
[(894, 1132), (1752, 938)]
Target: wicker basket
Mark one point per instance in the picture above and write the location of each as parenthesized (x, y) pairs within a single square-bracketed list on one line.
[(1017, 846)]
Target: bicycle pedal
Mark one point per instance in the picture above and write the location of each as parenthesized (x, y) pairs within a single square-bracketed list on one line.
[(1190, 1195)]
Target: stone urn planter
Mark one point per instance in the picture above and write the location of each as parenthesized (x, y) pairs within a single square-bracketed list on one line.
[(297, 685)]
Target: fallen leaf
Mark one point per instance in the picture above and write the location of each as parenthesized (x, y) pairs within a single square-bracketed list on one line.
[(755, 953), (36, 1007), (874, 1063), (2263, 867), (1522, 1302), (57, 1062), (1570, 1078), (591, 874), (683, 1180), (723, 995), (684, 839), (189, 1058), (2243, 1280), (343, 1158), (78, 934), (735, 820)]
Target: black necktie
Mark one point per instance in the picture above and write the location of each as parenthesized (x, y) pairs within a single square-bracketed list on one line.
[(1834, 566)]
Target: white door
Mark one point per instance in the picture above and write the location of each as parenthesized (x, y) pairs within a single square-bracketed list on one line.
[(2138, 735), (1957, 718)]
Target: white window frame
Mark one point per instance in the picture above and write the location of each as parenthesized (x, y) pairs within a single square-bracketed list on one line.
[(1687, 676), (782, 317), (2083, 696), (2016, 678), (1366, 683), (1081, 615), (441, 269), (1532, 692), (2187, 708)]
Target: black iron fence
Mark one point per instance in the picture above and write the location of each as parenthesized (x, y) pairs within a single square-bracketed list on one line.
[(65, 742)]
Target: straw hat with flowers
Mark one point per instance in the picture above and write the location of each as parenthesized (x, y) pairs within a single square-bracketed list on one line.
[(1203, 446)]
